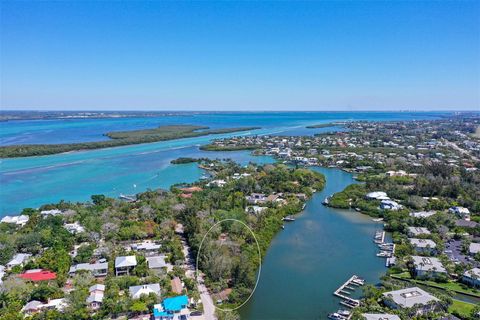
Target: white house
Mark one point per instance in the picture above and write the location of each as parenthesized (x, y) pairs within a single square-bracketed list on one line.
[(423, 245), (256, 198), (144, 289), (377, 195), (462, 212), (146, 246), (158, 263), (255, 209), (18, 260), (380, 316), (18, 220), (95, 298), (421, 301), (74, 228), (97, 269), (428, 266), (124, 265), (416, 231), (474, 248), (390, 205), (218, 183), (53, 212), (35, 306), (422, 214), (472, 277)]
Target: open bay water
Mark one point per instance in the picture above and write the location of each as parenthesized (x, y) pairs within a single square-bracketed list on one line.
[(313, 256), (75, 176)]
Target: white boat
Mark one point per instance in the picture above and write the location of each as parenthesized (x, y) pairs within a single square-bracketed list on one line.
[(288, 219), (336, 316)]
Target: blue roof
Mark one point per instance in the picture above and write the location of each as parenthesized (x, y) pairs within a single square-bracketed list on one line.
[(175, 304)]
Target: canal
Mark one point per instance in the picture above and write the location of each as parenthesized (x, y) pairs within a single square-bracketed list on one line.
[(313, 256)]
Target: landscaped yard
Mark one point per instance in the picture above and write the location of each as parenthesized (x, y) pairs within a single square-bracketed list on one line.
[(461, 308)]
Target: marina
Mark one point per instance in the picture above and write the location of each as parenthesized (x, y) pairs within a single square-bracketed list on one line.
[(345, 290)]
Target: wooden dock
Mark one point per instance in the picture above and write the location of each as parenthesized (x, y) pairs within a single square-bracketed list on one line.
[(342, 293)]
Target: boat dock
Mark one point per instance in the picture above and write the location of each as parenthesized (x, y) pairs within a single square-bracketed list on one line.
[(379, 237), (342, 292)]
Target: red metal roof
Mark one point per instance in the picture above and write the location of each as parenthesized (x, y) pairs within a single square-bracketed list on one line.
[(40, 275)]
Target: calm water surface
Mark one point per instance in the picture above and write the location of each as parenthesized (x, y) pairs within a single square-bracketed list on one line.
[(313, 256)]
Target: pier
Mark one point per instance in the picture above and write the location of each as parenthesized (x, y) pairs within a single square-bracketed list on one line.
[(342, 292)]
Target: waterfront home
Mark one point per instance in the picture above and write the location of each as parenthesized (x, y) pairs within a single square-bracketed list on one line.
[(177, 286), (144, 289), (472, 277), (99, 269), (255, 209), (399, 173), (95, 297), (169, 307), (53, 212), (218, 183), (17, 220), (474, 248), (35, 306), (390, 205), (414, 298), (74, 228), (146, 246), (461, 212), (380, 316), (422, 214), (256, 198), (18, 260), (423, 245), (428, 267), (416, 231), (377, 195), (124, 265), (37, 275)]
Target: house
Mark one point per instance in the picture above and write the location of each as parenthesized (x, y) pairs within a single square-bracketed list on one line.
[(176, 285), (422, 214), (420, 301), (255, 209), (35, 306), (95, 298), (18, 220), (423, 245), (53, 212), (416, 231), (37, 275), (399, 173), (99, 269), (427, 267), (158, 263), (390, 205), (465, 223), (169, 307), (146, 246), (18, 260), (217, 183), (124, 265), (474, 248), (74, 228), (377, 195), (472, 277), (256, 198), (144, 289), (461, 212), (380, 316)]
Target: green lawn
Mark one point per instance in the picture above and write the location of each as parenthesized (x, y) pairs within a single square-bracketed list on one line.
[(461, 308), (451, 285)]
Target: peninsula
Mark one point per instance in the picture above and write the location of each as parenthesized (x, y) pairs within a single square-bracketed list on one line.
[(118, 138)]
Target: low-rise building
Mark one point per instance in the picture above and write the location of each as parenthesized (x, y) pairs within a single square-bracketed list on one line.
[(18, 260), (255, 209), (17, 220), (158, 263), (417, 231), (35, 306), (422, 214), (461, 212), (95, 297), (146, 246), (472, 277), (390, 205), (170, 307), (377, 195), (144, 289), (474, 248), (380, 316), (74, 228), (99, 269), (428, 266), (37, 275), (124, 265), (420, 301), (425, 246)]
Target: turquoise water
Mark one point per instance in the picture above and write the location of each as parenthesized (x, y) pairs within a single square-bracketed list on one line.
[(33, 181), (312, 257)]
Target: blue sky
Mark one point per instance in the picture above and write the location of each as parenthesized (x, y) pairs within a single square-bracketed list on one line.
[(285, 55)]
